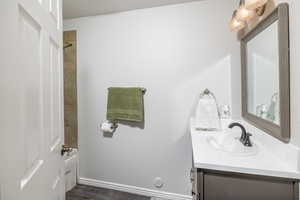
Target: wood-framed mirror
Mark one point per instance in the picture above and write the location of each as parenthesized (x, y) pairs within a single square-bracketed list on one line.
[(266, 74)]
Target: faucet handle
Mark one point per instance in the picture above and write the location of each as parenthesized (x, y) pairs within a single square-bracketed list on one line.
[(247, 141)]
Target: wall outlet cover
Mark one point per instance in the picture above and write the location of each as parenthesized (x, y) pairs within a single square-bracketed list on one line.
[(158, 182)]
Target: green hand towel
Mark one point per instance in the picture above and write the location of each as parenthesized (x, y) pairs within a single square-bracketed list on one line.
[(125, 104)]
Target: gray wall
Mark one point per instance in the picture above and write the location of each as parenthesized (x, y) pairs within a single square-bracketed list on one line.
[(173, 51)]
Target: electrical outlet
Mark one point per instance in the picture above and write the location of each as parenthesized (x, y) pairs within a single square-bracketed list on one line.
[(158, 182)]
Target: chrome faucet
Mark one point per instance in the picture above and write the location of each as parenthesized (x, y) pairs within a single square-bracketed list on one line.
[(245, 137)]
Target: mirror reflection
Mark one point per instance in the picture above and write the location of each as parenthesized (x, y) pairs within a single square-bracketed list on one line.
[(263, 75)]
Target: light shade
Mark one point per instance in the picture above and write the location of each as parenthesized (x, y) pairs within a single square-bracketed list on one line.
[(244, 14), (253, 4), (236, 25)]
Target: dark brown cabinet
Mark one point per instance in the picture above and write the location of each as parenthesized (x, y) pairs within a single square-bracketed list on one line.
[(217, 185)]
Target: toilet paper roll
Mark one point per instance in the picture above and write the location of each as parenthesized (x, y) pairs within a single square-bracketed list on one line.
[(107, 127)]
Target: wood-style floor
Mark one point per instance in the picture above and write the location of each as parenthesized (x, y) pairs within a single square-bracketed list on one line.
[(82, 192)]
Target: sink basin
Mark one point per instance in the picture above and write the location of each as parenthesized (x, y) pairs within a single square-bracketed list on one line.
[(230, 143)]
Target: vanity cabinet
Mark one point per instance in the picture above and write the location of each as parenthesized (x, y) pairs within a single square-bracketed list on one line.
[(218, 185)]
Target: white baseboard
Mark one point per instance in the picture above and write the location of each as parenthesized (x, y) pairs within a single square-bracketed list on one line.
[(133, 189)]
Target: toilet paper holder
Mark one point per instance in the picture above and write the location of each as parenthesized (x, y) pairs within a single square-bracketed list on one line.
[(109, 126), (114, 125)]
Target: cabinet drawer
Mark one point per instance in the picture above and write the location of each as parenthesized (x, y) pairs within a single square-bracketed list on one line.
[(224, 187)]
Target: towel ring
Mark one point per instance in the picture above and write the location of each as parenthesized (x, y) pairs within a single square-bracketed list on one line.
[(208, 93)]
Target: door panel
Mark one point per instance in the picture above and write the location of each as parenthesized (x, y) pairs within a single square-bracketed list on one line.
[(30, 98), (31, 118), (57, 189), (55, 69), (54, 10)]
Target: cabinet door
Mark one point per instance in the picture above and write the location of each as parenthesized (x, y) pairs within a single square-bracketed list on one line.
[(221, 187)]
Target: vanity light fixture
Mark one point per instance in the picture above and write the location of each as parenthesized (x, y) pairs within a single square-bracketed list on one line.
[(243, 13), (248, 9), (254, 4), (235, 24)]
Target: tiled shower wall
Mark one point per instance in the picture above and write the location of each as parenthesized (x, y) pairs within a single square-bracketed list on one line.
[(70, 89)]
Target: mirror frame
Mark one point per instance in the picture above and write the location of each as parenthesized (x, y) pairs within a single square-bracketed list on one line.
[(282, 131)]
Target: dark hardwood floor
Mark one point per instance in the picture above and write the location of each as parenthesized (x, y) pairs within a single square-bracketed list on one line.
[(83, 192)]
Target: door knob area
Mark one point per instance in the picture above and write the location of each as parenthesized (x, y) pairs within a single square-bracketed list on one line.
[(65, 149)]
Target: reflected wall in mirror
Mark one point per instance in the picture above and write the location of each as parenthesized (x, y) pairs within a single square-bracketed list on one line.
[(265, 74)]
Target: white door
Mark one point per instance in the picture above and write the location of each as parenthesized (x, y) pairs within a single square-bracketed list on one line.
[(31, 100)]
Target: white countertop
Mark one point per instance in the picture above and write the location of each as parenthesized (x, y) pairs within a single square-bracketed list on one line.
[(265, 162)]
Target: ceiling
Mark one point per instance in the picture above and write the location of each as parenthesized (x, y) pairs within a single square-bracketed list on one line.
[(82, 8)]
